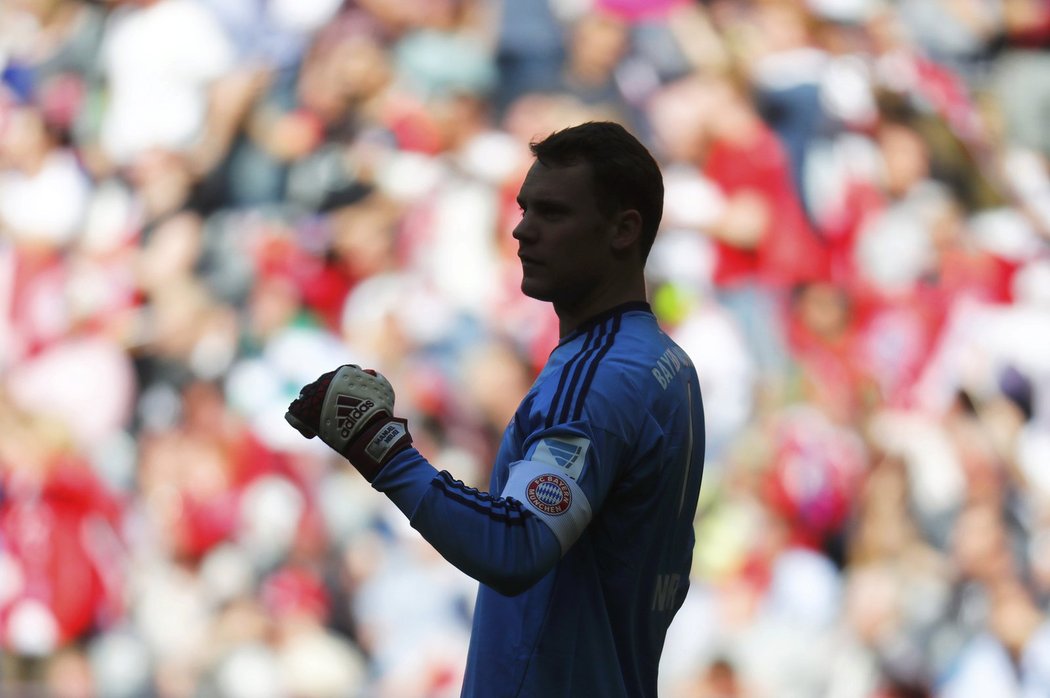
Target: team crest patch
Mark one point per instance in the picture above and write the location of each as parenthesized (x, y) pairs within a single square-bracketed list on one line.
[(550, 494)]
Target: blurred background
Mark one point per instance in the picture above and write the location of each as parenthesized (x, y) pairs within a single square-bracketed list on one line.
[(204, 204)]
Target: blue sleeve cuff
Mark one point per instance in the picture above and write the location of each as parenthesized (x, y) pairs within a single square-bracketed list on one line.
[(405, 479)]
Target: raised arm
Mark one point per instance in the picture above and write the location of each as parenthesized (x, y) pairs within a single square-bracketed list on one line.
[(496, 540)]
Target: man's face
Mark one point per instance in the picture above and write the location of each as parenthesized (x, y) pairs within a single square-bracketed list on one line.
[(563, 237)]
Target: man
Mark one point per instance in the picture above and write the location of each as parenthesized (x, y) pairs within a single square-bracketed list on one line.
[(583, 544)]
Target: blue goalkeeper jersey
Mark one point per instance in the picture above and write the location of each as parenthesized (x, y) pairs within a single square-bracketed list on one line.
[(584, 542)]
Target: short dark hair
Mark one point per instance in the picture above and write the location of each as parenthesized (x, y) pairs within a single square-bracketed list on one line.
[(626, 176)]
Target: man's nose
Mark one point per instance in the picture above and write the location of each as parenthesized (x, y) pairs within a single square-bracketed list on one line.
[(522, 231)]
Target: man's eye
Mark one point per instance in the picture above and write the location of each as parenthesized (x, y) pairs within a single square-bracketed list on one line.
[(543, 211)]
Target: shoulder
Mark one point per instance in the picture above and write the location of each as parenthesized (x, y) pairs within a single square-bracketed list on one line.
[(617, 370), (639, 373)]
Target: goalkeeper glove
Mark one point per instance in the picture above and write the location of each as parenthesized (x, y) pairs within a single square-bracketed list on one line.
[(351, 409)]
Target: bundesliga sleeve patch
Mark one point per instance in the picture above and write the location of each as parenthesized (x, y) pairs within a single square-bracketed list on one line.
[(566, 452), (552, 496)]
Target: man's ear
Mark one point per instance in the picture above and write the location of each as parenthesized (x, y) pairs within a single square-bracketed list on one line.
[(628, 230)]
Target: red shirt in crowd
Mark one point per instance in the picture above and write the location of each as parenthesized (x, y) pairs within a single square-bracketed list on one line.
[(789, 251)]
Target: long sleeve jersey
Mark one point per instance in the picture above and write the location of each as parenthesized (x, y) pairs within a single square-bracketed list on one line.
[(584, 542)]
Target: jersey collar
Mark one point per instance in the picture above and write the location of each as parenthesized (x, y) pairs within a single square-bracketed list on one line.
[(601, 317)]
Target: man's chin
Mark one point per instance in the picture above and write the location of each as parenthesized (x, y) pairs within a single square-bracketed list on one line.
[(533, 290)]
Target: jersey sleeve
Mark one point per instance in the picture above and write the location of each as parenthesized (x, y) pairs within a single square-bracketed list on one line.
[(495, 540), (565, 477), (509, 541), (557, 479)]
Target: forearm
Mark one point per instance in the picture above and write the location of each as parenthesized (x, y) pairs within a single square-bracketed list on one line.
[(495, 540)]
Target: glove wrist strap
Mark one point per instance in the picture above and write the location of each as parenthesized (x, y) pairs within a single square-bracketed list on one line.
[(379, 441)]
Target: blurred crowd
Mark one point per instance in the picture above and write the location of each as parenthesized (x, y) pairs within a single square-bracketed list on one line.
[(204, 204)]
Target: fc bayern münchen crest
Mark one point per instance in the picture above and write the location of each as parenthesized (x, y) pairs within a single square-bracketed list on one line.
[(550, 494)]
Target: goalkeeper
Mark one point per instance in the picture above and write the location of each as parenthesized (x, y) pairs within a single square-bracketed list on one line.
[(584, 541)]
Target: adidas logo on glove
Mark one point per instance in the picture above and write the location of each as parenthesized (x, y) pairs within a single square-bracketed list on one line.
[(348, 411), (351, 409)]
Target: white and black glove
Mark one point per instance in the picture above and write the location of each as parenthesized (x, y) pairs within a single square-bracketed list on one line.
[(352, 410)]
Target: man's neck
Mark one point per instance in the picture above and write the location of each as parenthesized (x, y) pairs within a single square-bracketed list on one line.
[(572, 315)]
